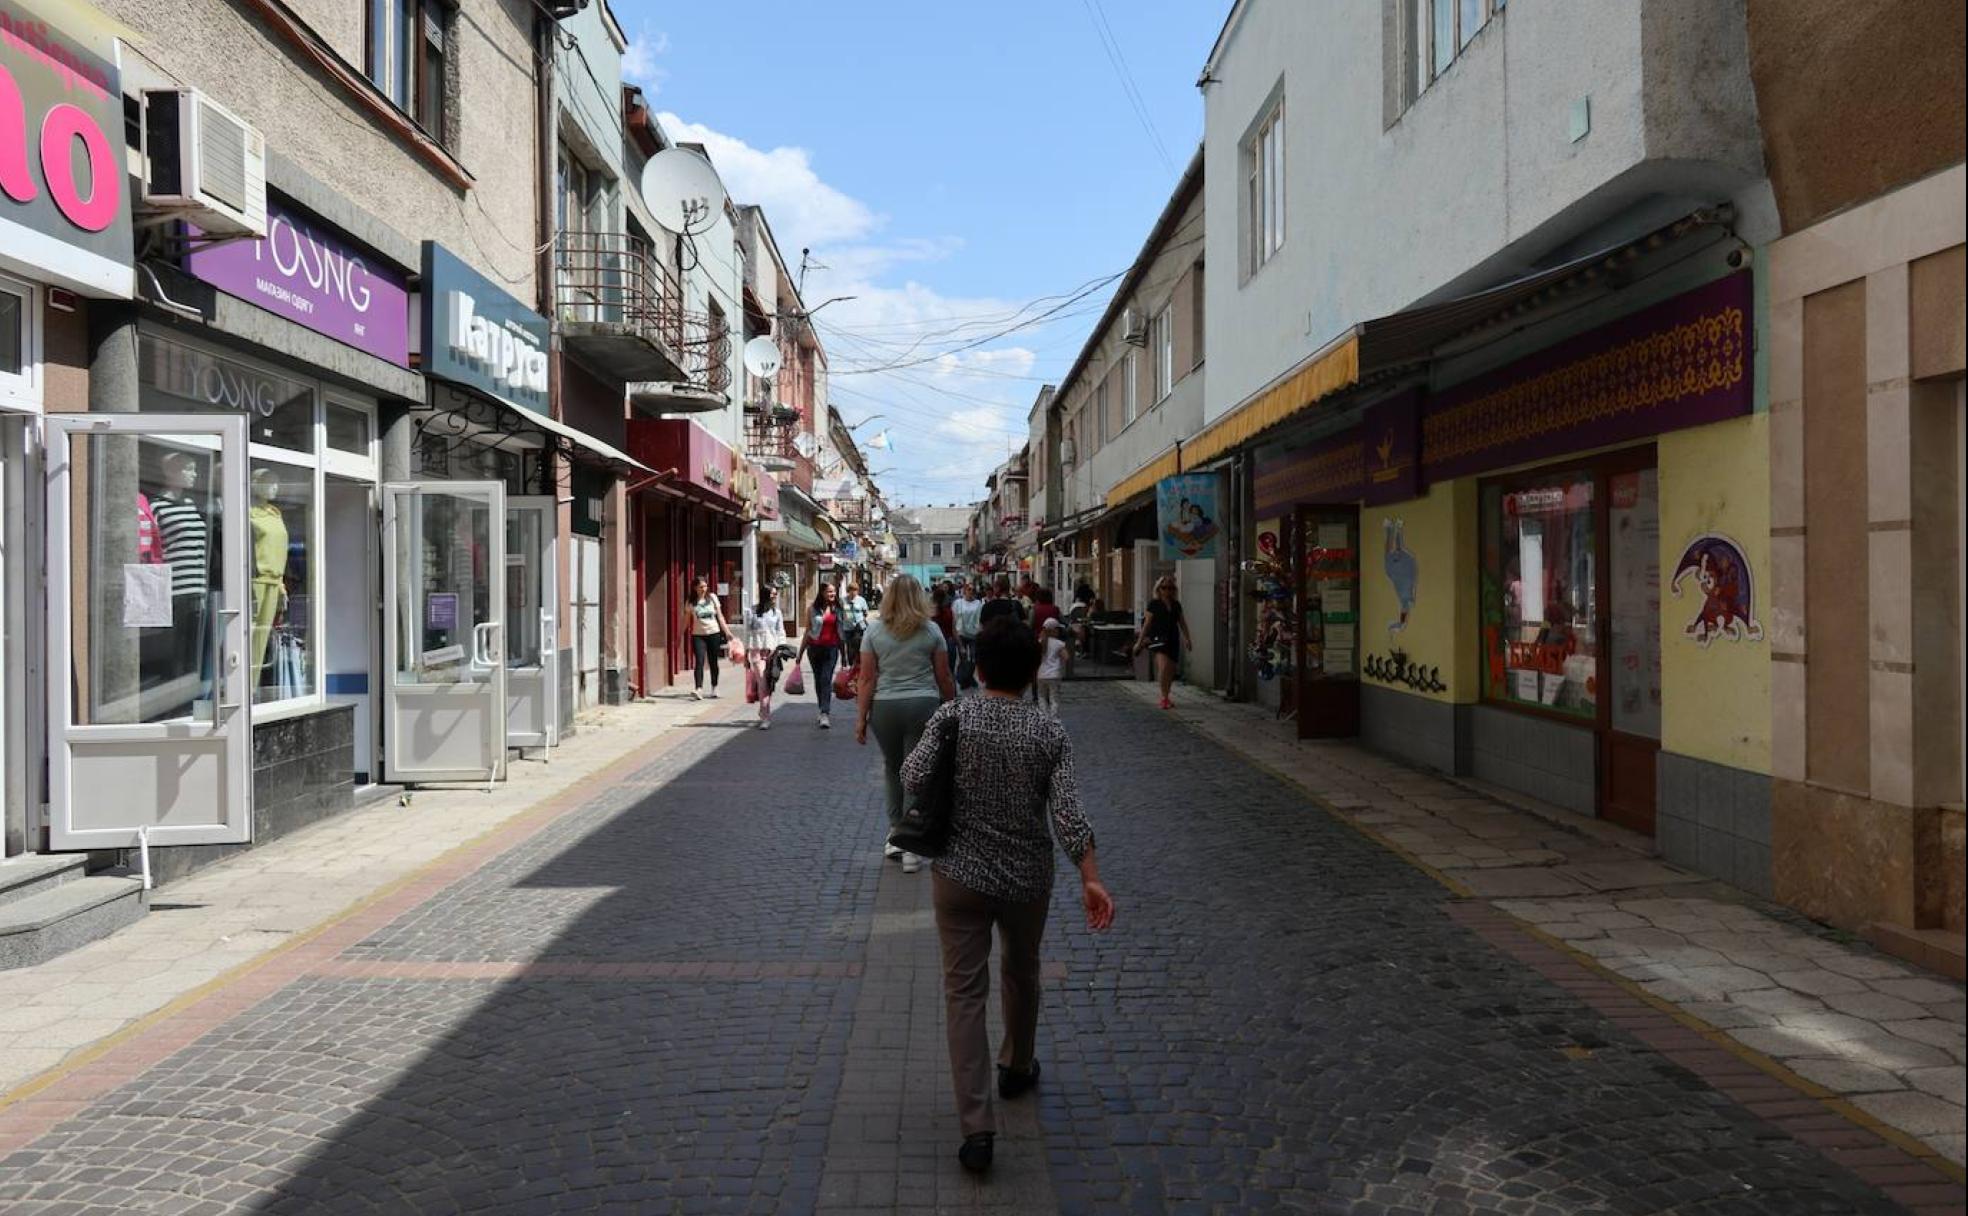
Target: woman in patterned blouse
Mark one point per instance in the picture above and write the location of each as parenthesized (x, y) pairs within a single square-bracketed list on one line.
[(1014, 775)]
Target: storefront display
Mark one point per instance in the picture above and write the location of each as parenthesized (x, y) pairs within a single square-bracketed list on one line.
[(1540, 593), (1327, 565)]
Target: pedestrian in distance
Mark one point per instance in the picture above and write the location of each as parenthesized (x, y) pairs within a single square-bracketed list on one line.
[(945, 616), (708, 635), (1165, 634), (765, 640), (1001, 604), (966, 611), (823, 641), (1044, 608), (1052, 665), (854, 622), (1014, 777), (905, 675)]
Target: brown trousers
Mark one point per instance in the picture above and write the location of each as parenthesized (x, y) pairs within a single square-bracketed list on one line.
[(964, 919)]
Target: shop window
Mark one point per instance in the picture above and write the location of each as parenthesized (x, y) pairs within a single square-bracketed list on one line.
[(282, 648), (190, 379), (348, 429), (1540, 592)]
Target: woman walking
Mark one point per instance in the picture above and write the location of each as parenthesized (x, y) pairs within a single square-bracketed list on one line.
[(966, 611), (1014, 774), (854, 622), (823, 642), (765, 635), (1166, 635), (905, 674), (708, 635)]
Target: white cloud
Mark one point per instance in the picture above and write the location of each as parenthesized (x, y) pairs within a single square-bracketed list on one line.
[(639, 64), (952, 418)]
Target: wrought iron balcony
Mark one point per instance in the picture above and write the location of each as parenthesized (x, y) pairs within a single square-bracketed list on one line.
[(621, 312), (769, 435)]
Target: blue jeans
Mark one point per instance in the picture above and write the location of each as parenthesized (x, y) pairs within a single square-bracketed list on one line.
[(825, 659)]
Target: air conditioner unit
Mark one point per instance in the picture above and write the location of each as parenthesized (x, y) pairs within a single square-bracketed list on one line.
[(205, 164), (1134, 327)]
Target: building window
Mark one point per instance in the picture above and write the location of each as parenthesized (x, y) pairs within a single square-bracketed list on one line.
[(1264, 189), (1161, 345), (20, 346), (407, 46), (903, 549), (1438, 30), (1130, 388), (956, 549), (1100, 413), (936, 549), (1540, 592)]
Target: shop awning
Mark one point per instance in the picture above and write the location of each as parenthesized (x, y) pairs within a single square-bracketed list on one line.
[(1375, 349), (789, 533), (580, 440)]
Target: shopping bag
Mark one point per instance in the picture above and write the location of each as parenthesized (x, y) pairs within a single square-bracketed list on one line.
[(734, 650), (795, 681), (844, 683), (751, 684)]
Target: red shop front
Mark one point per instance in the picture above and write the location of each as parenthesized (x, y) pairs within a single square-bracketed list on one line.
[(689, 524)]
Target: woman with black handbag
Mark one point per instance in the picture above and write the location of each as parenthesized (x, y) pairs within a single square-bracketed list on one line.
[(1011, 775)]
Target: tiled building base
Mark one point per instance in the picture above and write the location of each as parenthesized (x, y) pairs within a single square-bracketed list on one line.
[(1852, 861)]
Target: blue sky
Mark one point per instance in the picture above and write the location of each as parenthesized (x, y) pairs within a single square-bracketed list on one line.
[(948, 164)]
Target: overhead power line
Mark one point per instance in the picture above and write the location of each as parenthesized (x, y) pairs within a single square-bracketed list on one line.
[(1097, 14)]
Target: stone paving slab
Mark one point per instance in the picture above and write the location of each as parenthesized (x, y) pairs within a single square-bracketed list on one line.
[(1287, 1017), (1863, 1026), (248, 905)]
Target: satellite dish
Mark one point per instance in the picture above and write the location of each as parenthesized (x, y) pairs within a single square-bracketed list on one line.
[(762, 357), (804, 444), (682, 190)]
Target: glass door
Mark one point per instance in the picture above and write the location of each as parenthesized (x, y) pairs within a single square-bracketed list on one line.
[(444, 576), (150, 721), (532, 634), (1327, 569)]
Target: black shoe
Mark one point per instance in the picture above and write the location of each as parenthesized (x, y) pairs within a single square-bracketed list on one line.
[(975, 1153), (1013, 1083)]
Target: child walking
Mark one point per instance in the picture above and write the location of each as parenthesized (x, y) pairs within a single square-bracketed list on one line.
[(1052, 665)]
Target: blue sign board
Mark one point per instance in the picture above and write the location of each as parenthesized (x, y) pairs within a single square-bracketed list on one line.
[(478, 336), (1187, 510)]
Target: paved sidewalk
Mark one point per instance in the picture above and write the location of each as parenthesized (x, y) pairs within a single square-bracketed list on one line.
[(239, 910), (1850, 1022)]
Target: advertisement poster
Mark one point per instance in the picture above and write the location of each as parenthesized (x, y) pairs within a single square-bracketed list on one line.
[(1187, 511)]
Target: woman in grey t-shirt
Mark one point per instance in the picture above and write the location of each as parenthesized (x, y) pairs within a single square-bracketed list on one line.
[(905, 675)]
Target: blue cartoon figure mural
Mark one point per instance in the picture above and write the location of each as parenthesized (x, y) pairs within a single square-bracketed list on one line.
[(1728, 590), (1402, 570)]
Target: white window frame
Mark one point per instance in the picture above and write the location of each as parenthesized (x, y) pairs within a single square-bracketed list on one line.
[(1264, 187), (1421, 25), (1161, 341), (936, 548), (22, 393), (1130, 389)]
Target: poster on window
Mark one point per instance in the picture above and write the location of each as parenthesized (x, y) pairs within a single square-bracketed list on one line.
[(1187, 511)]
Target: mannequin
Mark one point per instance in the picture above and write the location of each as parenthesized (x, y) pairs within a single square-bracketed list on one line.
[(184, 536), (269, 565)]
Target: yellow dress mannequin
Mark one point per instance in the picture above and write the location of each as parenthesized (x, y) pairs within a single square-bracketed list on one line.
[(269, 566)]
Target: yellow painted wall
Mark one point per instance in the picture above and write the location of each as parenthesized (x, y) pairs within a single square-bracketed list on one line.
[(1439, 529), (1716, 699)]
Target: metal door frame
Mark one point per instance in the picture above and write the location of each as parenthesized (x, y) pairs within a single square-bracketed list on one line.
[(230, 726), (487, 643), (548, 508)]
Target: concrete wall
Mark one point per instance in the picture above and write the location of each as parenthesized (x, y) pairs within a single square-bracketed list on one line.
[(315, 122), (1491, 142)]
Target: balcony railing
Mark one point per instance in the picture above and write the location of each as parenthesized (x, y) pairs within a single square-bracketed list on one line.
[(769, 435), (621, 308)]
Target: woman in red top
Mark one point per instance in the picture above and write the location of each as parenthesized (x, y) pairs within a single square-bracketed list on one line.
[(1043, 609), (945, 619), (823, 642)]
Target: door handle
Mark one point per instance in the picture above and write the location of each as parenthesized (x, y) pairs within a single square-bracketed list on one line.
[(484, 644), (226, 663), (547, 638)]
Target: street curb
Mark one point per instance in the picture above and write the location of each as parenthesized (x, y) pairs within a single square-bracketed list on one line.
[(1842, 1107), (127, 1053)]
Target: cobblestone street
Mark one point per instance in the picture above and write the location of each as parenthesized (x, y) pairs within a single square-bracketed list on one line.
[(697, 987)]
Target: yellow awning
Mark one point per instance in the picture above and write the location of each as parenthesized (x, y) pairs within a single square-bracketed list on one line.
[(1325, 373)]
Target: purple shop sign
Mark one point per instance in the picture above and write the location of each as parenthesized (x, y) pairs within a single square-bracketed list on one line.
[(314, 276), (441, 611)]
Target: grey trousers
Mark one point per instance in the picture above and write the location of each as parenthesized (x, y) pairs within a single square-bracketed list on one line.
[(963, 925), (897, 725)]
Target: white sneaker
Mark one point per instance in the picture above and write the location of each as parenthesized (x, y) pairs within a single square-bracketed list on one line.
[(712, 694), (911, 863), (889, 850), (696, 694), (825, 724), (765, 724)]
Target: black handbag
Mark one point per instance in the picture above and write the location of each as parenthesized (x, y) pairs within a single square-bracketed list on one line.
[(925, 826)]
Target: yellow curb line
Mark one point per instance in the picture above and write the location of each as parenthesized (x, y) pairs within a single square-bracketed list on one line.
[(1840, 1106), (85, 1056)]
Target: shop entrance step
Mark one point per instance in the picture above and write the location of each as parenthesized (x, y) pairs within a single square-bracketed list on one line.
[(58, 918)]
